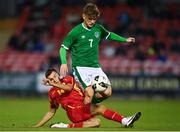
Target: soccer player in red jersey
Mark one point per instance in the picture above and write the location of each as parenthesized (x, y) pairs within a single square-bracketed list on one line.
[(68, 93)]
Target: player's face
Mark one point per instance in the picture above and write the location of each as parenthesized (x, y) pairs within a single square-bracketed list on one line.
[(89, 21), (54, 77)]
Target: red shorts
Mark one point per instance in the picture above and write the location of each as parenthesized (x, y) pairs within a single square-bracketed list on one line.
[(78, 113)]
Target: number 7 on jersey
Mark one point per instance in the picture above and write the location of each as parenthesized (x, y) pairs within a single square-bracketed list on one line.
[(91, 41)]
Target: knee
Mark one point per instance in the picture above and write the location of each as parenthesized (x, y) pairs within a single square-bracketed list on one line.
[(108, 92)]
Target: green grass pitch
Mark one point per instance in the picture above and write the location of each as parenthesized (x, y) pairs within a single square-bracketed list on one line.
[(19, 114)]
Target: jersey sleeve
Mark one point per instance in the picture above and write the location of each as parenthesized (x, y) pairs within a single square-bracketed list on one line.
[(69, 39), (68, 80), (52, 103), (104, 32)]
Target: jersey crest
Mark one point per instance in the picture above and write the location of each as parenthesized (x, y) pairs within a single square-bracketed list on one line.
[(97, 34)]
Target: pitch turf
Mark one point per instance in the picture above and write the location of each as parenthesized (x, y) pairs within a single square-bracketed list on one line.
[(20, 114)]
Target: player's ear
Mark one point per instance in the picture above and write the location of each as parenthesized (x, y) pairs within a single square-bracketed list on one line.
[(83, 16)]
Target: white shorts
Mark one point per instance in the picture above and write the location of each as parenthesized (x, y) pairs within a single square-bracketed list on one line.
[(85, 75)]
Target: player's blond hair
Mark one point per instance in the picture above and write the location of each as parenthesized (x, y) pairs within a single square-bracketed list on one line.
[(91, 10)]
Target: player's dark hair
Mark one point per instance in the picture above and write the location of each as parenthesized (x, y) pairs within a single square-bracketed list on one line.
[(49, 71), (91, 10)]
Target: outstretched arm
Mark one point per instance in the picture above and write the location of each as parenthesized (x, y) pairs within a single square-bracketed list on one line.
[(46, 118), (115, 37), (66, 87)]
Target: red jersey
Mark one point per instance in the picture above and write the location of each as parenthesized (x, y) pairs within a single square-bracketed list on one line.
[(58, 96)]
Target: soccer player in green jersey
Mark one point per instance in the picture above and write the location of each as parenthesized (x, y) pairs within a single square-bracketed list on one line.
[(83, 42)]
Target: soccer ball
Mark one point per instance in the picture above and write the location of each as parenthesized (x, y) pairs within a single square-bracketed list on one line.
[(100, 83)]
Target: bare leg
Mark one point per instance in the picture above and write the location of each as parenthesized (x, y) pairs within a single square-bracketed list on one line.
[(105, 94), (100, 109), (89, 92), (93, 122)]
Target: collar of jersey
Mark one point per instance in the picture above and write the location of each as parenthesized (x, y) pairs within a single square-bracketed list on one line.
[(85, 27)]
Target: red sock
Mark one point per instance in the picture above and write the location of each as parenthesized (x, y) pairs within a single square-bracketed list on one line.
[(109, 114), (76, 125)]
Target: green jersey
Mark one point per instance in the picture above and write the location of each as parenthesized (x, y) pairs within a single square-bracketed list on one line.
[(84, 44)]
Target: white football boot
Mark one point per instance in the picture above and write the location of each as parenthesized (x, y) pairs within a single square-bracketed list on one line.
[(59, 125), (128, 121)]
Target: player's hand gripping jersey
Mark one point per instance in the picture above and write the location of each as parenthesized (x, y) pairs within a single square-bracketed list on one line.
[(59, 96), (71, 101)]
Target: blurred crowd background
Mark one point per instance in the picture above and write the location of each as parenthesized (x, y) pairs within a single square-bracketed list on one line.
[(39, 26), (42, 25)]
